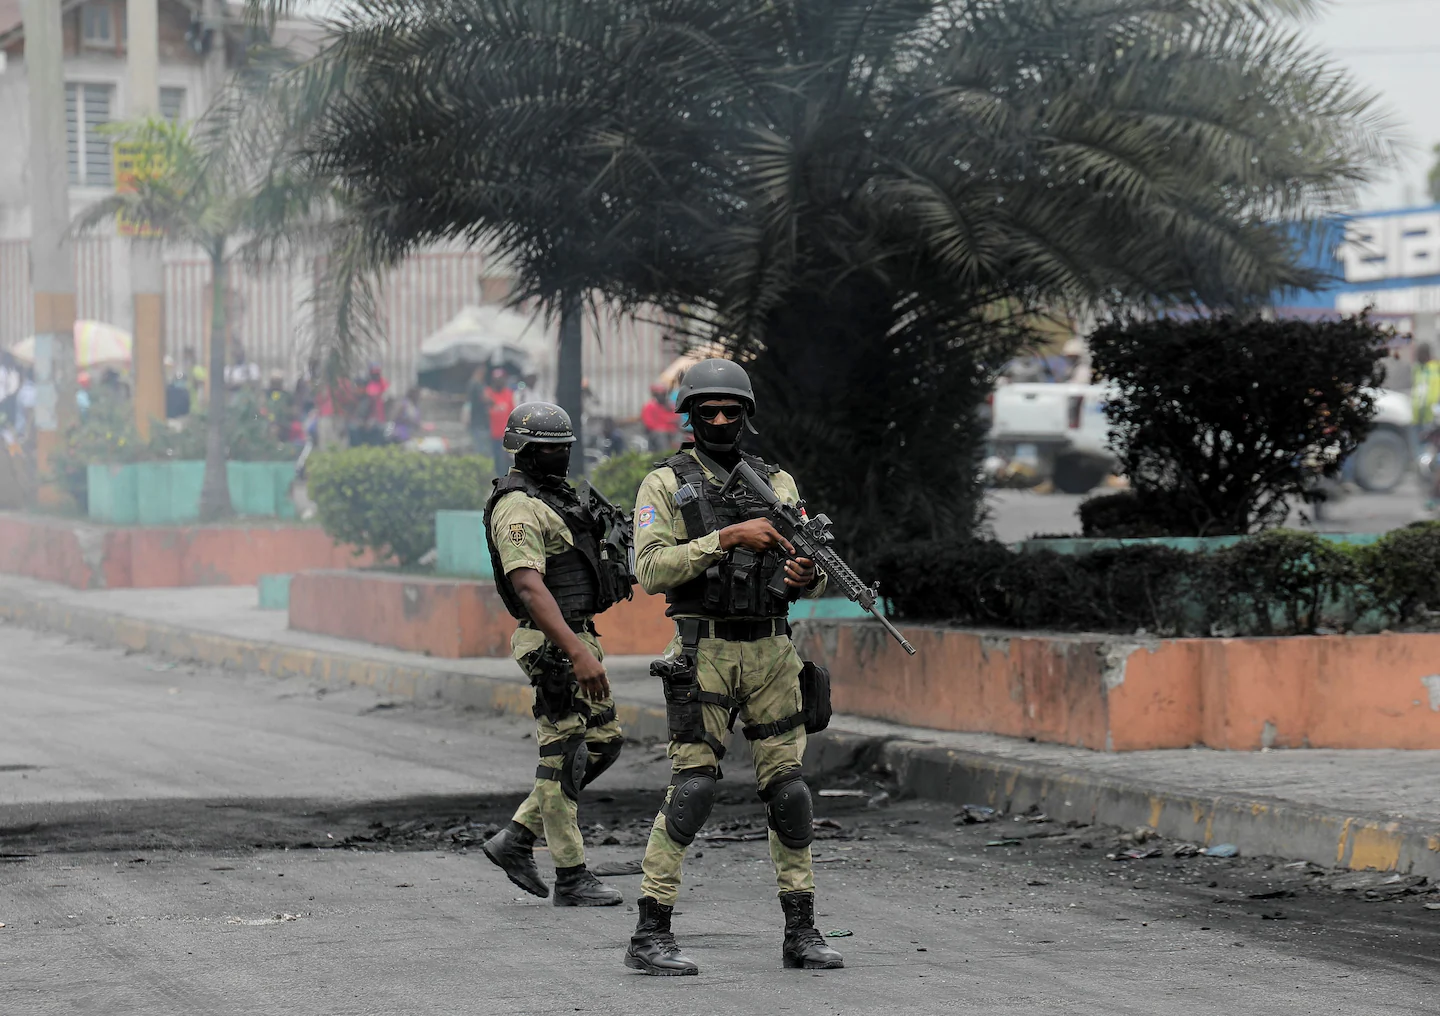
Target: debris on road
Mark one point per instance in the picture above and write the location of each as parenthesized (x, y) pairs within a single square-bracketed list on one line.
[(1223, 850), (1187, 850), (1136, 854), (975, 814), (261, 922), (844, 793), (1003, 843), (835, 933)]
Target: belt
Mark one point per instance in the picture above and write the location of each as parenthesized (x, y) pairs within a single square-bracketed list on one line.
[(746, 630), (575, 624)]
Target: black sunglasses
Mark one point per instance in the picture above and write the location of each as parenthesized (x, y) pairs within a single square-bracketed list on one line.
[(734, 411)]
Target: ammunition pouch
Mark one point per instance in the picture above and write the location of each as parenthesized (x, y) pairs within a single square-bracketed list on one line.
[(815, 697)]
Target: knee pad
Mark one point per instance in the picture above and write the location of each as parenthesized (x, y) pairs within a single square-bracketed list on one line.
[(602, 757), (791, 812), (574, 760), (692, 795)]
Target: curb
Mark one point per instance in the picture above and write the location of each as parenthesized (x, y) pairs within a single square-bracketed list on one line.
[(1257, 825)]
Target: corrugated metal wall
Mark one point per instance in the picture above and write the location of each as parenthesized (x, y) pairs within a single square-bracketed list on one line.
[(269, 315)]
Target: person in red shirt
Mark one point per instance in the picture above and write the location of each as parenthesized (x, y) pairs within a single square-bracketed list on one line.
[(494, 399), (662, 425)]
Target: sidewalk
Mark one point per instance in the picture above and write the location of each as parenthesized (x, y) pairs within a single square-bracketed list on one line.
[(1355, 809)]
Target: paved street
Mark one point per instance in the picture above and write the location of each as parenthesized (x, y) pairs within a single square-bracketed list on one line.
[(1018, 514), (182, 841)]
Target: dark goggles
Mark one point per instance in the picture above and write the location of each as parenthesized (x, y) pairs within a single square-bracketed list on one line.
[(709, 414)]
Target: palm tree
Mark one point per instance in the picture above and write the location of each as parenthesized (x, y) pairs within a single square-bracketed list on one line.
[(864, 198), (199, 187)]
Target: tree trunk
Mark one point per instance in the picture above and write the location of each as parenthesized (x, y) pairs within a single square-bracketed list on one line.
[(215, 494), (568, 375)]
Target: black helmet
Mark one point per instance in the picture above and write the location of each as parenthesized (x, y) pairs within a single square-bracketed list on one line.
[(537, 423), (715, 377)]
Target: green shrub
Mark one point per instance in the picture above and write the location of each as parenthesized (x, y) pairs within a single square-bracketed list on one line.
[(1280, 583), (1402, 572), (1277, 583), (385, 499), (1221, 422), (619, 476)]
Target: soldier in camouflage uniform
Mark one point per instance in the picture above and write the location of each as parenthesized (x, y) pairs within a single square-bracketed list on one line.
[(729, 577), (558, 560)]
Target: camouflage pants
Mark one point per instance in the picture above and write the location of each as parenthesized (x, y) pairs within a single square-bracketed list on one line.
[(765, 675), (547, 811)]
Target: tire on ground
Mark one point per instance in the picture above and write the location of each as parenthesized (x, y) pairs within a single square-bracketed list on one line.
[(1382, 461), (1079, 474)]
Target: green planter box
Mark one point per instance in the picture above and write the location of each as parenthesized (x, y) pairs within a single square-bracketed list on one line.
[(1191, 544), (460, 547), (829, 607), (274, 592), (168, 493), (111, 494)]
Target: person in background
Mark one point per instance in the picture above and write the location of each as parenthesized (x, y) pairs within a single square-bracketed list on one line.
[(9, 386), (1077, 356), (331, 403), (242, 372), (662, 425), (1424, 394), (196, 378), (406, 422), (490, 405), (375, 388), (25, 403), (82, 393)]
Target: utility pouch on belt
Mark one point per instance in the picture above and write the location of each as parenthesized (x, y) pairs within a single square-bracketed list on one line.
[(553, 677), (815, 697), (684, 701)]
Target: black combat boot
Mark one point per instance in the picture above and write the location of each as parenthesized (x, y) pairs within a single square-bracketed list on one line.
[(576, 887), (652, 947), (513, 849), (804, 948)]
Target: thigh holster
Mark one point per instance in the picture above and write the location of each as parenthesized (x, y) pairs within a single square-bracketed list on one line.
[(574, 760), (684, 701), (553, 677)]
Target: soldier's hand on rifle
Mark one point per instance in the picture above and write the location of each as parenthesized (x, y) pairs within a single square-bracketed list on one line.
[(590, 673), (756, 534), (800, 572)]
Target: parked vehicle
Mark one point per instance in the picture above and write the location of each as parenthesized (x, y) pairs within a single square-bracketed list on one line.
[(1065, 424)]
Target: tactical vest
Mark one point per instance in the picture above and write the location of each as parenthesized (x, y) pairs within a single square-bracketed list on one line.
[(735, 586), (587, 578)]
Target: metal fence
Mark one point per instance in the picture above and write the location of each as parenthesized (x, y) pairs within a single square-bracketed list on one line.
[(269, 314)]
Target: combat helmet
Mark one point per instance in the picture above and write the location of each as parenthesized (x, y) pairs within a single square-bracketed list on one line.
[(537, 423)]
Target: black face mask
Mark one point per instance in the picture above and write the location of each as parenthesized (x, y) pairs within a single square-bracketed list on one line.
[(544, 462), (718, 438)]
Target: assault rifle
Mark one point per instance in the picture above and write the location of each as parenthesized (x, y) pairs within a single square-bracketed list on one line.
[(811, 538)]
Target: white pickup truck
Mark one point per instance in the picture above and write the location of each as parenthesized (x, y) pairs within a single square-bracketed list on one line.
[(1066, 425)]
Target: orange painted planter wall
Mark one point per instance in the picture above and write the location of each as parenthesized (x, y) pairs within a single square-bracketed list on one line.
[(1109, 693), (94, 557), (450, 618)]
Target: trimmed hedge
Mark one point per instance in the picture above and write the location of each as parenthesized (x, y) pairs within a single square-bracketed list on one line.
[(385, 498), (619, 477), (1277, 583)]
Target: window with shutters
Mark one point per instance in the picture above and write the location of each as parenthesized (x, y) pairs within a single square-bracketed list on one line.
[(172, 103), (87, 108), (97, 25)]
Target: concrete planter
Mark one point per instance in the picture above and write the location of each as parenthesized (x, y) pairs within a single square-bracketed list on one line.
[(168, 493), (86, 556), (1117, 693), (460, 548), (448, 617)]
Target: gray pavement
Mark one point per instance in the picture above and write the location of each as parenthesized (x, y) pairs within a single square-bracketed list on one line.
[(1393, 784), (139, 790), (1019, 514)]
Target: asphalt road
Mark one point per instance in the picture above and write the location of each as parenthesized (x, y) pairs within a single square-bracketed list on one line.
[(1018, 514), (188, 842)]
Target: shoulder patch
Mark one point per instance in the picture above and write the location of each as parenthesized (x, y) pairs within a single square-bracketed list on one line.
[(645, 515), (517, 533)]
